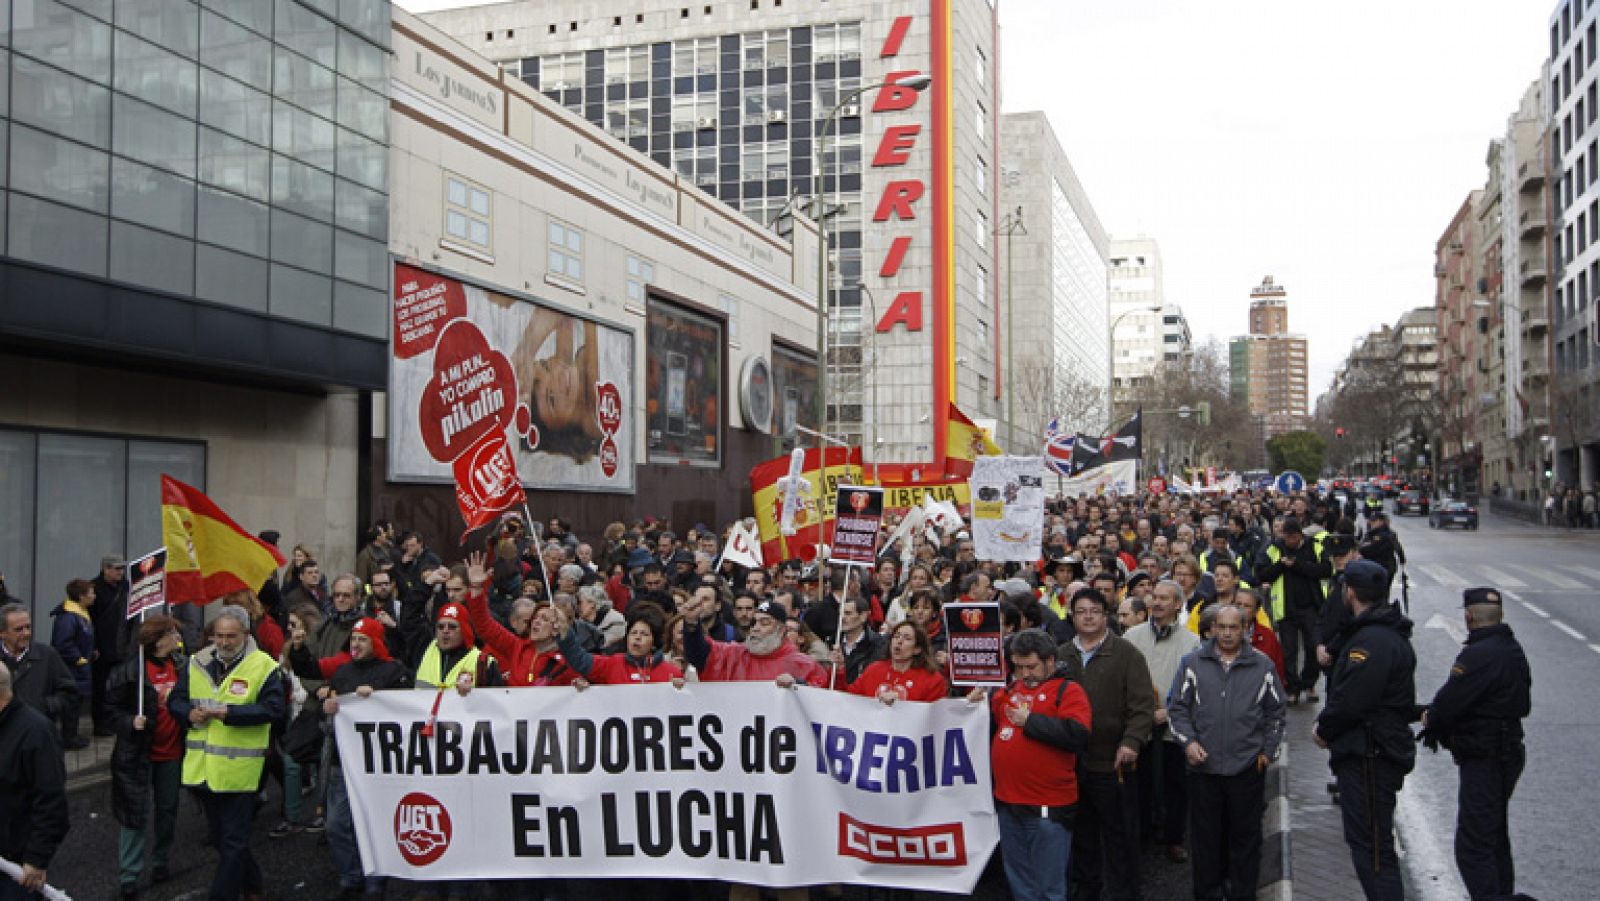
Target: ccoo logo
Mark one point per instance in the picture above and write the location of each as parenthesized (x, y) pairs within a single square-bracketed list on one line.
[(421, 829)]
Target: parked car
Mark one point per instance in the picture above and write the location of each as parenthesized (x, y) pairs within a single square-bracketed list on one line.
[(1453, 513), (1411, 502)]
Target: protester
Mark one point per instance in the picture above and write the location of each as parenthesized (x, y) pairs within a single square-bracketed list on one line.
[(229, 698), (909, 673), (1294, 567), (38, 677), (1227, 714), (148, 756), (641, 661), (110, 612), (533, 660), (765, 654), (72, 636), (859, 645), (1163, 642)]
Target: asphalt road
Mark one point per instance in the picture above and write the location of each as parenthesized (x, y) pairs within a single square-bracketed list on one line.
[(1550, 579)]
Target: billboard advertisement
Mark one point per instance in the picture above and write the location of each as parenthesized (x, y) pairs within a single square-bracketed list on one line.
[(467, 362), (683, 379)]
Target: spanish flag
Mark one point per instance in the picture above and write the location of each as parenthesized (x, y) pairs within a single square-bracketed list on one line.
[(814, 522), (208, 555), (963, 443)]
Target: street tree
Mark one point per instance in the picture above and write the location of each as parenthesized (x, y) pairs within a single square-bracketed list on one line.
[(1299, 451)]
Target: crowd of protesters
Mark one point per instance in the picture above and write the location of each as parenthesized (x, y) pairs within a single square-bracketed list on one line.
[(1152, 652)]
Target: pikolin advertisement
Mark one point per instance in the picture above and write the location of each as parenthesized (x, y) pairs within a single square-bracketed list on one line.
[(467, 362)]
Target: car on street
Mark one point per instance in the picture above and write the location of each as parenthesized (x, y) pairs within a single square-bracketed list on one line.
[(1453, 513), (1411, 502)]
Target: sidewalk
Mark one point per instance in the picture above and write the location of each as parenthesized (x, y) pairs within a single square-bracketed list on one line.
[(91, 765), (1320, 860)]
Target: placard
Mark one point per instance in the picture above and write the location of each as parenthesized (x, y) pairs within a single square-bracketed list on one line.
[(977, 646), (857, 517), (147, 583)]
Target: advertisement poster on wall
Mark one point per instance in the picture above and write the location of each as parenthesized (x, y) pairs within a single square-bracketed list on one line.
[(466, 361), (794, 387), (683, 386)]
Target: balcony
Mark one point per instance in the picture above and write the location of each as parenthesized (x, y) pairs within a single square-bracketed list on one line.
[(1530, 179), (1535, 323), (1531, 223), (1532, 272), (1536, 370)]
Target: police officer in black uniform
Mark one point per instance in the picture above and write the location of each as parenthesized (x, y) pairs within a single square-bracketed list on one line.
[(1366, 725), (1381, 545), (1477, 714)]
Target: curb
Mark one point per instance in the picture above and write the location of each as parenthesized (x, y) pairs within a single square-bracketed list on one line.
[(1277, 875)]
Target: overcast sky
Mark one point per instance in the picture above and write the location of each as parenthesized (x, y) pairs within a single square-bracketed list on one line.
[(1326, 144)]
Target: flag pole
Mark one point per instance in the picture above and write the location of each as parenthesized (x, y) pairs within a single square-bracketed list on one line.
[(543, 570)]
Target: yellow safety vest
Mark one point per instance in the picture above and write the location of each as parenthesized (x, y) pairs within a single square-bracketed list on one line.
[(428, 672), (222, 757), (1277, 586)]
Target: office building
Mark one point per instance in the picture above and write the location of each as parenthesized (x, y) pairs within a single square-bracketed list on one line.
[(1147, 332), (1267, 367)]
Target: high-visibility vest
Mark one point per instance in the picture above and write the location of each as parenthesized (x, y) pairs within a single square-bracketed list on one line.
[(428, 671), (1277, 586), (220, 756)]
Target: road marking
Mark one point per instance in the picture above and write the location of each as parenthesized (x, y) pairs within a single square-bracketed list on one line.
[(1451, 626), (1569, 630), (1534, 609), (1424, 849), (1494, 574), (1443, 576), (1588, 572), (1550, 576), (1595, 648)]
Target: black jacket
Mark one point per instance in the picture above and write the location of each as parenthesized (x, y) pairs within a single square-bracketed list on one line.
[(110, 613), (1302, 571), (1382, 546), (33, 787), (872, 646), (130, 757), (380, 674), (41, 680), (1480, 707), (1372, 695), (1335, 616)]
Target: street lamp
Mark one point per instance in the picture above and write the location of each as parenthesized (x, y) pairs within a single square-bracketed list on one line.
[(917, 83), (1111, 355)]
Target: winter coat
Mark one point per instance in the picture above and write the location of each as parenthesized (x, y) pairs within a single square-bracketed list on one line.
[(130, 757), (379, 674), (1235, 713), (1372, 696), (870, 647), (1117, 681), (1163, 654), (33, 787), (72, 636), (720, 661), (41, 680), (112, 638), (617, 669)]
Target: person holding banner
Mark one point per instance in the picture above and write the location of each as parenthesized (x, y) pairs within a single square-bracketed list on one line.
[(535, 660), (1042, 724), (859, 646), (910, 672), (764, 654), (642, 662), (148, 755)]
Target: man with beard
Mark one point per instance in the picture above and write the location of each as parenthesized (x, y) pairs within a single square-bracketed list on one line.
[(763, 655)]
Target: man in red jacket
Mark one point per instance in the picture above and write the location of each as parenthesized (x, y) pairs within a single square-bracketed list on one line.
[(763, 655), (1262, 638), (1042, 721)]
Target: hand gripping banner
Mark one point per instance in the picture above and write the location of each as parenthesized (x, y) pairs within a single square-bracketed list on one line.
[(740, 782)]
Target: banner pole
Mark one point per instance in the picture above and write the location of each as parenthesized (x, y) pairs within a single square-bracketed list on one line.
[(543, 571), (838, 626)]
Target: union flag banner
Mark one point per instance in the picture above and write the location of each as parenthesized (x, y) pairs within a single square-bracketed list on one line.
[(486, 481), (814, 521), (208, 554), (963, 443)]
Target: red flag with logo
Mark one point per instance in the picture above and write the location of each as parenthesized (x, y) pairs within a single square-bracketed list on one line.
[(486, 481)]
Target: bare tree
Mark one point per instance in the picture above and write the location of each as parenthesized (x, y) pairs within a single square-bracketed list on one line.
[(1229, 440), (1043, 392)]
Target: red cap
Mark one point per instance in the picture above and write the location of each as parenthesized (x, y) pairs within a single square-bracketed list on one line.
[(459, 613), (373, 630)]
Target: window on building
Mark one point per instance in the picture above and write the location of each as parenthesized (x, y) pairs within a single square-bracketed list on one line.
[(829, 93), (641, 272), (627, 64), (692, 112), (980, 228), (698, 164), (696, 56), (769, 104), (981, 276), (831, 43), (982, 177), (980, 67), (628, 118), (843, 155), (565, 252), (766, 49), (561, 71), (468, 213), (763, 160)]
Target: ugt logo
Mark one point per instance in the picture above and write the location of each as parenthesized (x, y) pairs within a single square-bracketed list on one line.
[(421, 829)]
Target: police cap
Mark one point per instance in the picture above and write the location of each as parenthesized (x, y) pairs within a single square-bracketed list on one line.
[(1338, 544), (1484, 595), (1364, 575)]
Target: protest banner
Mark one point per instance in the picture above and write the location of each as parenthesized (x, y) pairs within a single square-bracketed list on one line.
[(900, 498), (812, 523), (147, 583), (738, 782), (977, 647), (486, 482), (857, 515), (1119, 477), (1008, 508)]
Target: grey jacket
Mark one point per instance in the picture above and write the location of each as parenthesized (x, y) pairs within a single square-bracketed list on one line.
[(1235, 714)]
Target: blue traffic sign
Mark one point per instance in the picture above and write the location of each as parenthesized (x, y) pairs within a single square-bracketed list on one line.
[(1290, 481)]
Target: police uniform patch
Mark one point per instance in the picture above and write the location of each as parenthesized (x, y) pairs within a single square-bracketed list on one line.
[(1458, 670), (1357, 655)]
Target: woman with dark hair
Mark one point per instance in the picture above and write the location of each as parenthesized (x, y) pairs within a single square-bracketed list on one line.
[(880, 588), (909, 673), (920, 577), (148, 754), (926, 605), (641, 660), (557, 365)]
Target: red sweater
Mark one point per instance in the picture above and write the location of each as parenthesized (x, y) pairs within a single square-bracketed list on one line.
[(1265, 640), (915, 684), (519, 658), (1028, 769), (620, 669)]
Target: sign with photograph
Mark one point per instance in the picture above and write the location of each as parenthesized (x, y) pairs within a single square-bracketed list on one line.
[(977, 654), (468, 363), (683, 384), (1008, 508), (858, 513)]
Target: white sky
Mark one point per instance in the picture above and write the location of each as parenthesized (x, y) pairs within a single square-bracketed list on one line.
[(1324, 143)]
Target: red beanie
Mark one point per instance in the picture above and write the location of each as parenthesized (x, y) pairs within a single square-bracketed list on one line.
[(373, 630), (459, 614)]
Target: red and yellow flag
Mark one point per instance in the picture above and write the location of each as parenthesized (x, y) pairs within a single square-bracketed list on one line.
[(812, 525), (208, 555), (964, 442)]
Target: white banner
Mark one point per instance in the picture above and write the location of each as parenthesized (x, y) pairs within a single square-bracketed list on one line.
[(740, 782), (1008, 508), (1111, 478)]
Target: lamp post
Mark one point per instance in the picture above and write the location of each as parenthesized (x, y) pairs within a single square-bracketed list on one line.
[(917, 83), (1111, 356), (1009, 226)]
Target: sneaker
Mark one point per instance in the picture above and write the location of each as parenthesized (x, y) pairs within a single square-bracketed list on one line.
[(283, 828), (317, 824)]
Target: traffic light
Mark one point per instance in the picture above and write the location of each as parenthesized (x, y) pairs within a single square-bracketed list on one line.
[(1339, 432)]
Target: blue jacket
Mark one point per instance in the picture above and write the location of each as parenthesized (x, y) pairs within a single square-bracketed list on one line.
[(73, 638)]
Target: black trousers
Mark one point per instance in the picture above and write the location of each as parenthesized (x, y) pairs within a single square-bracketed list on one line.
[(1367, 786), (1105, 846), (228, 818), (1225, 833), (99, 673), (1483, 844), (1163, 794), (1298, 631)]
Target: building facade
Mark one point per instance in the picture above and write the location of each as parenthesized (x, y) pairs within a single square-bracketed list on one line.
[(1574, 155), (679, 330), (1525, 295), (1463, 371), (754, 102), (1146, 331), (1058, 359), (1268, 366), (195, 271)]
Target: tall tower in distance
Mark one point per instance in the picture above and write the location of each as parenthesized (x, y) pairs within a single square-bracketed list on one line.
[(1268, 365)]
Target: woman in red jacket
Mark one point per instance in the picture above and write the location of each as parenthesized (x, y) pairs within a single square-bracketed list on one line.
[(641, 662), (909, 673), (535, 660)]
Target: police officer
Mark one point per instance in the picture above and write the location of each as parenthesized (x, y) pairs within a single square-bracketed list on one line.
[(1477, 714), (1366, 725), (1381, 545)]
